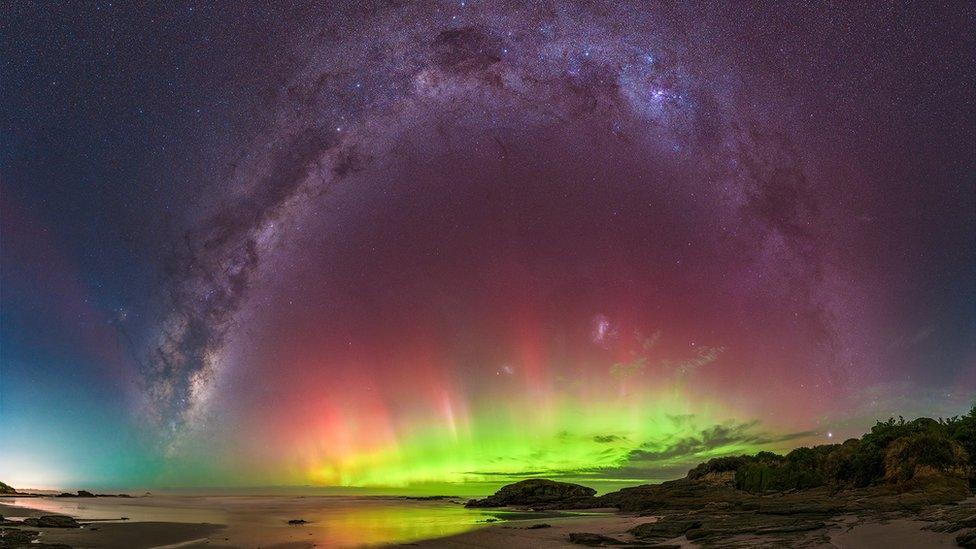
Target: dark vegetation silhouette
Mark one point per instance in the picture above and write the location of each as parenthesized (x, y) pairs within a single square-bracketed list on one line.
[(894, 451)]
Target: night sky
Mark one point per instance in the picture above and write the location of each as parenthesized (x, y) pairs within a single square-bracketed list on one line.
[(398, 245)]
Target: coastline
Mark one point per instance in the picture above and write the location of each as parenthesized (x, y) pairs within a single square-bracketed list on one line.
[(847, 532), (260, 521), (870, 531)]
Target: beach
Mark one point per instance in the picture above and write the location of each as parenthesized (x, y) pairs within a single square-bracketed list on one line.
[(263, 521), (340, 521)]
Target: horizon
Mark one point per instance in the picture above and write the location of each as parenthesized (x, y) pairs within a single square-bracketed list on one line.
[(407, 246), (447, 489)]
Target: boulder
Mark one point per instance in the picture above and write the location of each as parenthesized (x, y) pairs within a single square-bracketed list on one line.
[(593, 540), (85, 494), (967, 539), (52, 521), (15, 537), (665, 528), (5, 522), (534, 492)]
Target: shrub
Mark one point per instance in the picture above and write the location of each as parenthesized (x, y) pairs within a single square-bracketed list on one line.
[(918, 453), (892, 451), (717, 465)]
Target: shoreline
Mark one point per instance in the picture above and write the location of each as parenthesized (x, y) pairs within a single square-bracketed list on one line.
[(115, 533), (870, 531)]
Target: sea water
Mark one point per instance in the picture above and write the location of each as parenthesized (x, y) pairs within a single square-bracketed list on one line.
[(332, 521)]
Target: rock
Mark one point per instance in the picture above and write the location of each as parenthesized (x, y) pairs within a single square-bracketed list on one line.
[(593, 540), (7, 489), (537, 526), (968, 522), (535, 492), (701, 533), (85, 494), (798, 527), (950, 518), (683, 493), (717, 505), (15, 537), (52, 521), (665, 528), (967, 539), (825, 509), (297, 521)]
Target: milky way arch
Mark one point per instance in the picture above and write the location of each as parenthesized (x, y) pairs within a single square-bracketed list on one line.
[(442, 185)]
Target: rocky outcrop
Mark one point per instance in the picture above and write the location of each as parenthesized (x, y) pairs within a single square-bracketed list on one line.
[(539, 492), (677, 494), (78, 494), (15, 538), (666, 528), (87, 494), (52, 521), (6, 489), (967, 539), (593, 540)]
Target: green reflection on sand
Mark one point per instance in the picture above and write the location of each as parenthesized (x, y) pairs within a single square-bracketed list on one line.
[(251, 521)]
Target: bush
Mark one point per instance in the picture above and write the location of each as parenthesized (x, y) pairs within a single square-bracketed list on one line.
[(894, 451), (963, 430), (915, 454), (717, 465)]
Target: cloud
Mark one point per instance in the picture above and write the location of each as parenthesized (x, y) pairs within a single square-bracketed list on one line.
[(730, 436), (606, 439), (655, 461)]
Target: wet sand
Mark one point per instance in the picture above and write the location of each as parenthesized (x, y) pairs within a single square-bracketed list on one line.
[(890, 534), (848, 532), (519, 534)]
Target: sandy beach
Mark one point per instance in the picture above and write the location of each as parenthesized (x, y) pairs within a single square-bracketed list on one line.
[(258, 522), (262, 521), (847, 534)]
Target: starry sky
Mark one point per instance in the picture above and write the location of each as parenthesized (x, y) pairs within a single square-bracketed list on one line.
[(397, 245)]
